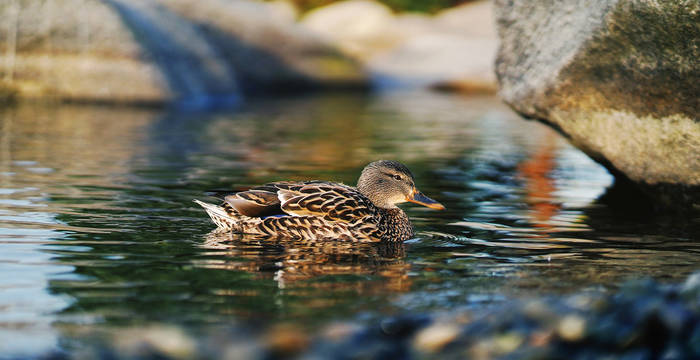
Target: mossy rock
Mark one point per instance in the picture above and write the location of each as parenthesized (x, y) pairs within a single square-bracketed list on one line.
[(619, 79)]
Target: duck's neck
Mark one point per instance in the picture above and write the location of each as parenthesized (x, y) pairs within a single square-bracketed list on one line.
[(398, 227)]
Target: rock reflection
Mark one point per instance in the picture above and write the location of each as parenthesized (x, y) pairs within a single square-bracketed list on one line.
[(289, 261), (340, 134)]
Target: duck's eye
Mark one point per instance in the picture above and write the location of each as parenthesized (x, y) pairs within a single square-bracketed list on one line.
[(397, 177)]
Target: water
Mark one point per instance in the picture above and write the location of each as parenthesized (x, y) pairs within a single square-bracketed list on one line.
[(98, 231)]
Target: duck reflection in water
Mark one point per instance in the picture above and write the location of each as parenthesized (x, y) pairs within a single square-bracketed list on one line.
[(321, 210), (292, 260)]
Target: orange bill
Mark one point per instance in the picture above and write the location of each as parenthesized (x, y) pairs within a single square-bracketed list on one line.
[(421, 199)]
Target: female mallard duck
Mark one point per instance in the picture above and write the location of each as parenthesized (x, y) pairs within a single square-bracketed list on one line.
[(326, 210)]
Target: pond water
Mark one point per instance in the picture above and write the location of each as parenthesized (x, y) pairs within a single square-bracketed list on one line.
[(98, 231)]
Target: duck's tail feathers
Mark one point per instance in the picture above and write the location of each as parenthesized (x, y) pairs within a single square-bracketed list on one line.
[(218, 215)]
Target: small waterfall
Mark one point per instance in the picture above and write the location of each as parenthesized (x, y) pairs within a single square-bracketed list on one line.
[(197, 74)]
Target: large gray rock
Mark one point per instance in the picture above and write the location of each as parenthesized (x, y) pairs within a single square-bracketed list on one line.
[(156, 51), (620, 79), (73, 49)]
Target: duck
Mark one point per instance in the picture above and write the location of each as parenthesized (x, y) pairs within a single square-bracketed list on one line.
[(321, 210)]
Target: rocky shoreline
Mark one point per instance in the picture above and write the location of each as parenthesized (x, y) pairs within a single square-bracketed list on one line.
[(159, 52), (641, 320)]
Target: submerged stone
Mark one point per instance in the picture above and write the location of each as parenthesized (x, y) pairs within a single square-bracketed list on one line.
[(165, 341), (571, 328), (642, 320), (435, 337)]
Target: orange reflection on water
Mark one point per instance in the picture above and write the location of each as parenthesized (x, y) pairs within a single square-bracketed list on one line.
[(540, 186)]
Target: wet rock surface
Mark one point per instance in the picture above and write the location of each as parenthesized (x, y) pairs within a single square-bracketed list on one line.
[(619, 79), (641, 320)]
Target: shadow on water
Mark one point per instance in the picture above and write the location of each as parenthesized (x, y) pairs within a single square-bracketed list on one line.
[(97, 201)]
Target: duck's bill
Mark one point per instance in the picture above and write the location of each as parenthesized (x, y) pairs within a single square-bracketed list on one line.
[(421, 199)]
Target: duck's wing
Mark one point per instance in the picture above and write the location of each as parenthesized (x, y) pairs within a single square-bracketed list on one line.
[(254, 203), (330, 201), (263, 200), (309, 210)]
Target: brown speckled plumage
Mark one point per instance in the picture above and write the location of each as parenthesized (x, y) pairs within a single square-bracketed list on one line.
[(325, 210)]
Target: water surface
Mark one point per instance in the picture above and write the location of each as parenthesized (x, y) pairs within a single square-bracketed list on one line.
[(98, 230)]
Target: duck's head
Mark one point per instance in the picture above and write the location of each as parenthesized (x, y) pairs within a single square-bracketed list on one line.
[(387, 183)]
